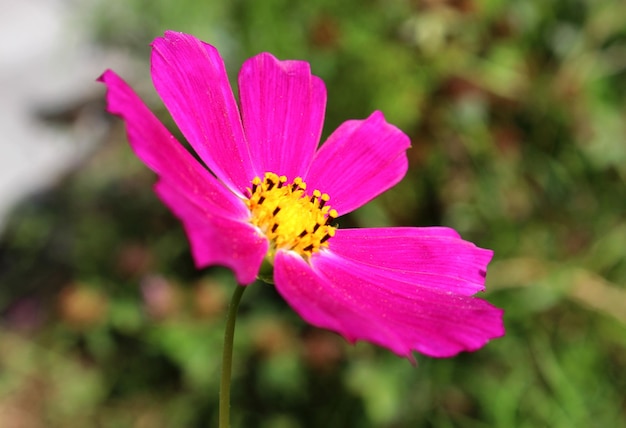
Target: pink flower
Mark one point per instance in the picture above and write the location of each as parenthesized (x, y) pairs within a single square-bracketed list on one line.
[(267, 191)]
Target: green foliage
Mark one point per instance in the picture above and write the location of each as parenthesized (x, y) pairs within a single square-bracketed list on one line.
[(515, 111)]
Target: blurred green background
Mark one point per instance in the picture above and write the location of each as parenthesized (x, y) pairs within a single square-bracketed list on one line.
[(516, 111)]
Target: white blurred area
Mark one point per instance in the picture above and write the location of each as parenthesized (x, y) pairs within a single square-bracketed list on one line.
[(50, 114)]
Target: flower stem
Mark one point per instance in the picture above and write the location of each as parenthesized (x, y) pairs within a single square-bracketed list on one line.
[(227, 358)]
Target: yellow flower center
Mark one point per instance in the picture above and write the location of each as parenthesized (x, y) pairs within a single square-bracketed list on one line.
[(291, 219)]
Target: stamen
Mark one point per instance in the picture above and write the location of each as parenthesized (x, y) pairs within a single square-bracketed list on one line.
[(332, 215), (270, 184), (304, 219), (325, 198)]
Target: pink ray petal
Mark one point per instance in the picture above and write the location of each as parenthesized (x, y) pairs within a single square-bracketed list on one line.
[(359, 161), (162, 153), (432, 257), (282, 106), (324, 304), (217, 240), (190, 77), (340, 295)]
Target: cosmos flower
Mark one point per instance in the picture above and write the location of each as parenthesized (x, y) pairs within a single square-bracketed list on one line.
[(267, 192)]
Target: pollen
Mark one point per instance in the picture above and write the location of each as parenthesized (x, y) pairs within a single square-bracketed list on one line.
[(290, 218)]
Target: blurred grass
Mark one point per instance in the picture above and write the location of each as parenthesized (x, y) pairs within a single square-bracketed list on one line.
[(516, 115)]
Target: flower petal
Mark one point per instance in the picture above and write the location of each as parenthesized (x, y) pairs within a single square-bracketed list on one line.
[(324, 304), (190, 77), (162, 153), (215, 239), (359, 161), (340, 295), (431, 257), (282, 106)]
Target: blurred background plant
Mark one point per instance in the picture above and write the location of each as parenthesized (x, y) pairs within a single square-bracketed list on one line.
[(516, 111)]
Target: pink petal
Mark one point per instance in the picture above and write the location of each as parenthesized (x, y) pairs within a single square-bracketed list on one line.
[(190, 77), (359, 161), (324, 304), (214, 239), (282, 106), (361, 304), (430, 257), (160, 151)]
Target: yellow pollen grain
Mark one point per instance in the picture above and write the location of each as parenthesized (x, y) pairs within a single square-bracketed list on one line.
[(290, 218)]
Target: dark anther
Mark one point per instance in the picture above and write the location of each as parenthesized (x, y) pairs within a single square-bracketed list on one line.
[(325, 238), (275, 211), (308, 247), (317, 226), (270, 184), (329, 220), (274, 227), (261, 199), (254, 187), (302, 234), (322, 203)]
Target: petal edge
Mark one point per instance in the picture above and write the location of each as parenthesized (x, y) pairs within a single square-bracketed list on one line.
[(359, 161), (216, 240), (282, 107), (190, 77)]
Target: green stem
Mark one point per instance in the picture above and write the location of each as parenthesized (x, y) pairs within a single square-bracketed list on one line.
[(227, 357)]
